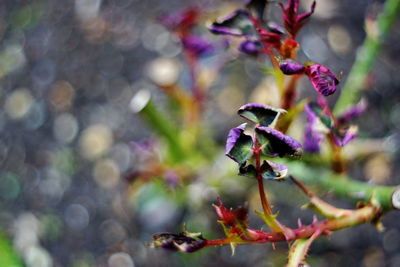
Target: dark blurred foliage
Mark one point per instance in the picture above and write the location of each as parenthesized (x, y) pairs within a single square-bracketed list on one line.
[(68, 70)]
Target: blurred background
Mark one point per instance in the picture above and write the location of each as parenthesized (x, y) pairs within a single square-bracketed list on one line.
[(68, 73)]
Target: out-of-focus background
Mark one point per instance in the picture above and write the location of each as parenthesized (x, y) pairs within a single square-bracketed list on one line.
[(68, 72)]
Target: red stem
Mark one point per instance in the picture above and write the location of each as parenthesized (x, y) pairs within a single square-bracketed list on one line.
[(363, 215), (264, 201)]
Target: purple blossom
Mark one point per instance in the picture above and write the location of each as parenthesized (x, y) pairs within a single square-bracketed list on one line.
[(272, 170), (322, 79), (250, 47), (277, 143), (314, 131), (342, 139), (197, 45), (290, 67), (352, 113), (233, 136), (261, 114)]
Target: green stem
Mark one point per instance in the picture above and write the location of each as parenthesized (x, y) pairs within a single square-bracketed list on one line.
[(144, 106), (366, 56), (342, 187)]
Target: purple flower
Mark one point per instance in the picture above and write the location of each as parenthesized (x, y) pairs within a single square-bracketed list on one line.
[(238, 23), (292, 21), (315, 131), (261, 114), (343, 137), (274, 171), (322, 79), (352, 113), (239, 145), (290, 67), (197, 45), (251, 47), (276, 143)]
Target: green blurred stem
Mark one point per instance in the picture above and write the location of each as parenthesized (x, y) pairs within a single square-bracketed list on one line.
[(165, 128), (342, 187), (366, 56)]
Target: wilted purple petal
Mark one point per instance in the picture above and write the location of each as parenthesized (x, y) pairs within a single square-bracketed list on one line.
[(276, 143), (259, 113), (250, 47), (349, 135), (238, 23), (322, 79), (178, 242), (352, 113), (197, 45), (272, 170), (314, 131), (239, 145), (290, 67), (233, 136)]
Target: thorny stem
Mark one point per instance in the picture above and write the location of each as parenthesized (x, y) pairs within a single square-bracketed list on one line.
[(366, 214)]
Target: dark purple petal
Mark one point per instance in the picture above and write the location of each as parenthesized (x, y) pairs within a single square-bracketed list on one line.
[(238, 23), (349, 134), (178, 242), (274, 171), (233, 136), (197, 45), (352, 113), (274, 143), (315, 131), (251, 47), (239, 145), (261, 114), (290, 67), (322, 79)]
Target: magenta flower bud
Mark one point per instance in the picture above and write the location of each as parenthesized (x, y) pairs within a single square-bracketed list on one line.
[(322, 79), (290, 67)]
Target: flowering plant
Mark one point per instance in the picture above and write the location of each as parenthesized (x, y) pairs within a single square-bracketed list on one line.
[(260, 146)]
